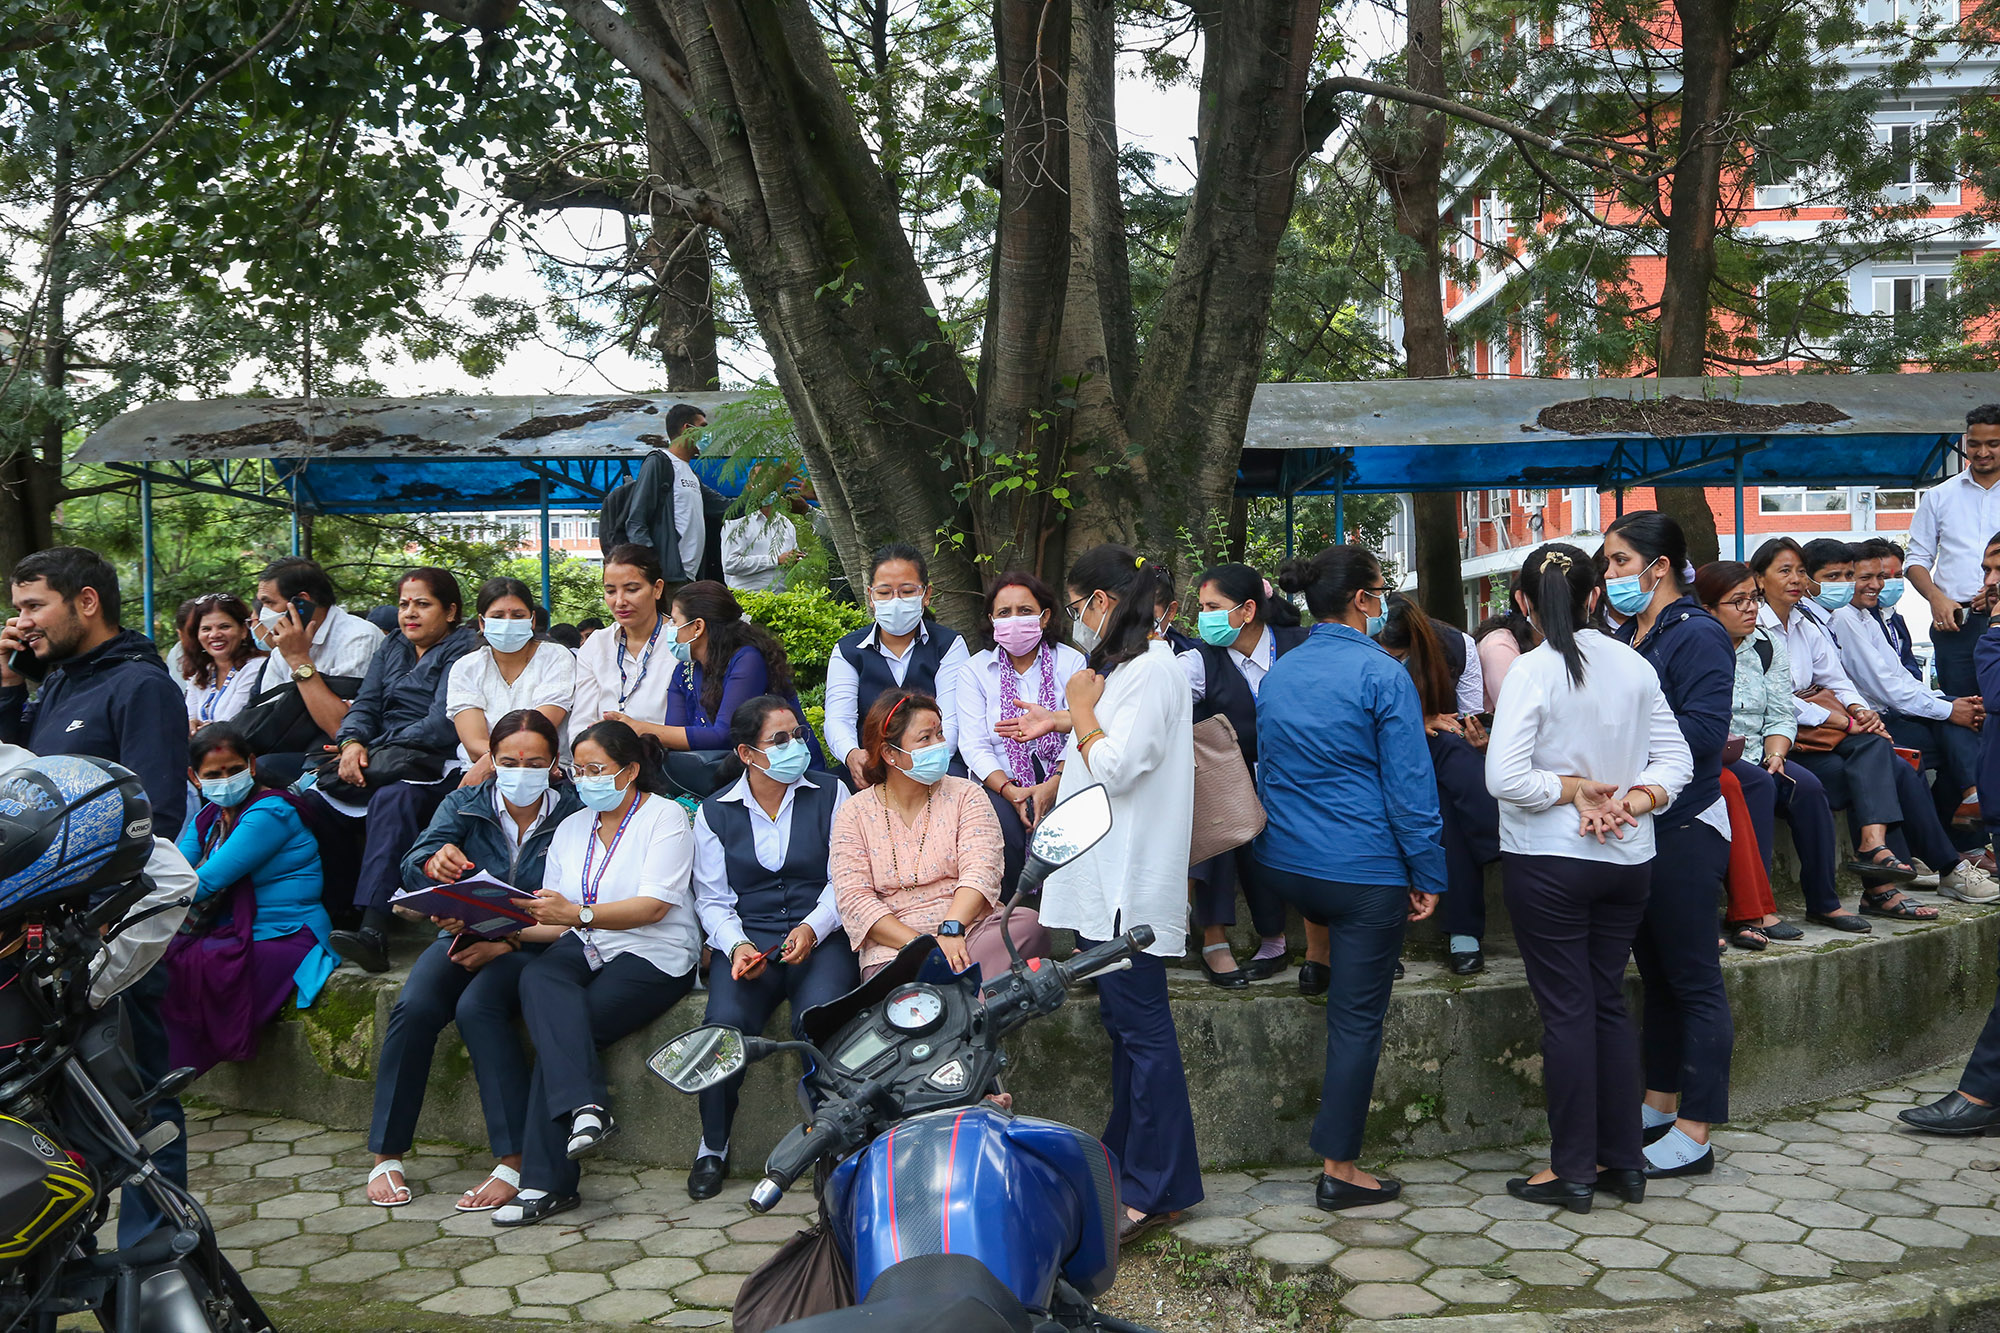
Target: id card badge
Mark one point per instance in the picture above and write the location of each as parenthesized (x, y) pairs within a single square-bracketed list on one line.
[(590, 953)]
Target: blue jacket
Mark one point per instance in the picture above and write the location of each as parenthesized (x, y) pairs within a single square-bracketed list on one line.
[(272, 848), (1343, 767), (402, 697), (467, 820), (115, 702), (1696, 662), (747, 678)]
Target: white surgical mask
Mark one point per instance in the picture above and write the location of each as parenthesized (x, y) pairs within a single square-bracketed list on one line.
[(899, 615), (506, 636), (523, 786)]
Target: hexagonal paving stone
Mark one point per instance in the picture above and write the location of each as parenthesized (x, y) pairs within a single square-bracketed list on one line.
[(551, 1313), (1769, 1164), (595, 1256), (1885, 1203), (1737, 1141), (1787, 1260), (215, 1140), (476, 1302), (1677, 1212), (748, 1258), (694, 1319), (251, 1154), (562, 1288), (1977, 1221), (1458, 1251), (1380, 1266), (1911, 1167), (293, 1166), (251, 1235), (1438, 1196), (626, 1307), (1712, 1272), (503, 1270), (1691, 1240), (1601, 1222), (1822, 1213), (303, 1204), (346, 1220), (1530, 1236), (1417, 1173), (1291, 1252), (1758, 1226), (1219, 1232), (1503, 1207), (1921, 1231), (1545, 1268), (1854, 1177), (1390, 1300), (453, 1252), (1955, 1193), (410, 1284), (355, 1267), (1730, 1198), (717, 1290), (1620, 1252), (1352, 1230), (662, 1274), (395, 1235), (271, 1281), (1469, 1286), (1456, 1220), (1641, 1285), (1288, 1217), (1298, 1193), (302, 1251), (1826, 1154), (1854, 1246), (683, 1242)]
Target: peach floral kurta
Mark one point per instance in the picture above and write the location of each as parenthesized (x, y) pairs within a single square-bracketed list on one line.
[(878, 871)]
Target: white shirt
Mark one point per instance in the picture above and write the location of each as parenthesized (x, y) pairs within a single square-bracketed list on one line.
[(509, 828), (980, 701), (343, 645), (1195, 667), (843, 686), (548, 680), (1948, 533), (1877, 669), (1815, 661), (1472, 680), (715, 900), (1145, 762), (1545, 727), (224, 699), (1256, 662), (653, 860), (751, 546), (690, 524), (647, 675)]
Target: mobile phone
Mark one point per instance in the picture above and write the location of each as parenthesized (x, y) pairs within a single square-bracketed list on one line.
[(1958, 615), (304, 606)]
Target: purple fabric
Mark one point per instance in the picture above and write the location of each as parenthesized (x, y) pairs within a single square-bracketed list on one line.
[(222, 987), (1022, 754)]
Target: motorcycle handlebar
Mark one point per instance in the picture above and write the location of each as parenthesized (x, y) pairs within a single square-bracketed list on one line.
[(1105, 956)]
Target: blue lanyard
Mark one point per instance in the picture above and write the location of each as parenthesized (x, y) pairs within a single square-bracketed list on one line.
[(645, 660), (208, 700), (590, 854)]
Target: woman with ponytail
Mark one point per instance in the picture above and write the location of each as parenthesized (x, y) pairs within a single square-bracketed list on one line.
[(1584, 749), (1346, 782), (1132, 732)]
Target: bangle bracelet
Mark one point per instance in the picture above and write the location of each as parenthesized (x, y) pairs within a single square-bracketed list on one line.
[(1093, 734)]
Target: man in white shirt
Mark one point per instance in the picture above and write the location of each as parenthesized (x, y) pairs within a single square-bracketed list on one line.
[(664, 508), (1947, 537), (758, 547), (309, 637), (690, 525)]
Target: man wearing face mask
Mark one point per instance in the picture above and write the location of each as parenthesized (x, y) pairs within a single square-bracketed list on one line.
[(664, 507), (309, 638), (766, 903), (1894, 585)]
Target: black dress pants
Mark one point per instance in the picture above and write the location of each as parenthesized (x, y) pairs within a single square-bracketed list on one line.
[(1688, 1029)]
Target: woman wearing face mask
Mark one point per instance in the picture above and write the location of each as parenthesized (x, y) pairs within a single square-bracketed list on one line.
[(624, 669), (1133, 718), (1011, 719), (903, 649), (513, 670), (503, 829), (720, 662), (617, 902), (918, 852), (1688, 1032), (219, 658), (256, 935), (764, 892), (1352, 838)]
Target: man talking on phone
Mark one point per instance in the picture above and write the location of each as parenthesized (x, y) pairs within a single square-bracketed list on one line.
[(309, 637), (1947, 537)]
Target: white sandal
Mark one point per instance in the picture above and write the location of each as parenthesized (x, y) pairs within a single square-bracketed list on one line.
[(393, 1166), (501, 1172)]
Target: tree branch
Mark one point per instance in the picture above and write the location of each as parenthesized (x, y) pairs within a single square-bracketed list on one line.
[(629, 47), (556, 188), (485, 15)]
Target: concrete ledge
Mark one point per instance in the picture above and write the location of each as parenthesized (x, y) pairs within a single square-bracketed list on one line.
[(1460, 1066)]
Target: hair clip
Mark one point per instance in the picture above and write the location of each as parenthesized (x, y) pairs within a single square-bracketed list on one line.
[(1139, 562), (1560, 559)]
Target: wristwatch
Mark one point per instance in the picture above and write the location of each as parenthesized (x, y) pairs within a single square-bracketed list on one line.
[(303, 672), (586, 914), (951, 929)]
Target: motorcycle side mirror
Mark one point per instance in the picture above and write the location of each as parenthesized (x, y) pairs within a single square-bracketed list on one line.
[(700, 1058), (1072, 828)]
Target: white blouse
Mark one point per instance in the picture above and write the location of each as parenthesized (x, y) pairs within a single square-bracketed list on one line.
[(597, 683), (979, 704), (1145, 762), (224, 699), (549, 680), (655, 859)]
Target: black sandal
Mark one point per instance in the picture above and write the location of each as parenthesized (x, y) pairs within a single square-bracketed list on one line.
[(520, 1212), (1868, 864), (1782, 930), (1744, 935), (1891, 903)]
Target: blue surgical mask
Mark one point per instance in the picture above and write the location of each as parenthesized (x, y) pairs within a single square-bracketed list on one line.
[(1379, 621), (506, 636), (523, 786), (1215, 628), (683, 652), (599, 793), (230, 791), (928, 763), (1892, 593), (1626, 595), (787, 763), (1833, 596)]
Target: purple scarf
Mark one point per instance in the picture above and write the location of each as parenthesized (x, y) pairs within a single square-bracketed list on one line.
[(1022, 754)]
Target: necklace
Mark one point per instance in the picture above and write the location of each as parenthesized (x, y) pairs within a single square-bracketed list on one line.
[(923, 834)]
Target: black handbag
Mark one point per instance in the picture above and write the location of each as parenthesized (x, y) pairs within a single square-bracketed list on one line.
[(387, 763), (807, 1276), (277, 721)]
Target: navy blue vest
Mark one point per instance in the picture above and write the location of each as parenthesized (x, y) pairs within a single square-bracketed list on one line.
[(771, 902), (872, 669)]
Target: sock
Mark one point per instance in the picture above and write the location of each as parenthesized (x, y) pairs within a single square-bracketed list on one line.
[(1272, 946), (375, 920), (705, 1151), (1674, 1148), (1465, 944), (529, 1196), (1652, 1119)]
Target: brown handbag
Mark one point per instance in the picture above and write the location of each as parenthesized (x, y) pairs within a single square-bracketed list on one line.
[(1227, 813), (1819, 739)]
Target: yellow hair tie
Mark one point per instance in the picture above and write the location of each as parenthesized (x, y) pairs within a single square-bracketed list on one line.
[(1139, 563)]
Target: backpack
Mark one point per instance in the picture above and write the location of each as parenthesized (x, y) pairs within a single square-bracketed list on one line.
[(611, 515), (1761, 645)]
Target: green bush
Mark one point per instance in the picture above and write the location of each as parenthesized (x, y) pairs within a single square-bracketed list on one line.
[(808, 623)]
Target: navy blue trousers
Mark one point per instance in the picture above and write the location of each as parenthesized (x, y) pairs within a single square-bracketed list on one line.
[(1151, 1130), (572, 1014), (1982, 1071), (376, 844), (829, 973), (1799, 797), (1921, 834), (1471, 833), (1365, 925), (1952, 753), (137, 1217), (1575, 920), (485, 1004), (1216, 881), (1952, 651), (1688, 1029)]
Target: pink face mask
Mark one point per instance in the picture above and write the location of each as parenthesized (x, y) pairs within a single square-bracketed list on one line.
[(1018, 635)]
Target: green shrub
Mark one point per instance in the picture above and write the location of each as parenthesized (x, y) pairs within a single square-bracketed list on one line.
[(808, 623)]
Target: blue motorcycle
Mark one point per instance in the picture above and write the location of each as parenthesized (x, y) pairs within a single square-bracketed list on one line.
[(950, 1210)]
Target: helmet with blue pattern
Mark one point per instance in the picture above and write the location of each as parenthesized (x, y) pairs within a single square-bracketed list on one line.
[(70, 825)]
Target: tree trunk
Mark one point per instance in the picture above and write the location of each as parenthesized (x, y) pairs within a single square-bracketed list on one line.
[(684, 330)]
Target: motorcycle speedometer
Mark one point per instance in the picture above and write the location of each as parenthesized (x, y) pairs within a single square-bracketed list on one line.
[(915, 1009)]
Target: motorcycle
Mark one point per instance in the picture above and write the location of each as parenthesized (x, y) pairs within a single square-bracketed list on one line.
[(950, 1209), (74, 1118)]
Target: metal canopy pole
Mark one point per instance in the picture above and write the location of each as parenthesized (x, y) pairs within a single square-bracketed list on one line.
[(1289, 524), (542, 489), (1618, 502), (1739, 504), (146, 546), (1340, 504)]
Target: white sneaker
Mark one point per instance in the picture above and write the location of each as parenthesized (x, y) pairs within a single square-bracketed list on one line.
[(1969, 885), (1926, 878)]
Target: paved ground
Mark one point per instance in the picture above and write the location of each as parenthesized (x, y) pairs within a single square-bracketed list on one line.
[(1827, 1192)]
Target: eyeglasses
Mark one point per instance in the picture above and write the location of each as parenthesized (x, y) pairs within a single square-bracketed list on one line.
[(907, 590), (1747, 602), (599, 770), (778, 738), (1071, 607)]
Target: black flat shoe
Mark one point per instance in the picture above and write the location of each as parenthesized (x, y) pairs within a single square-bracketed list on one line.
[(706, 1176), (1849, 922), (1259, 968), (1652, 1134), (1134, 1227), (1953, 1114), (1469, 963), (365, 948), (1784, 930), (1334, 1195), (1700, 1166), (1314, 978), (1233, 979), (1628, 1183), (526, 1212), (1399, 969), (1568, 1194)]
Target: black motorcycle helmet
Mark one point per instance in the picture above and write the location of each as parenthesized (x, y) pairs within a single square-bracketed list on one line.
[(70, 825)]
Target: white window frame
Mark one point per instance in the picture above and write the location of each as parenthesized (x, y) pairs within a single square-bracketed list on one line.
[(1915, 494), (1913, 123), (1923, 288), (1804, 495)]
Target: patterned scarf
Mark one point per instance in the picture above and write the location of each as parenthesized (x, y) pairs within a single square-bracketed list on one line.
[(1022, 754)]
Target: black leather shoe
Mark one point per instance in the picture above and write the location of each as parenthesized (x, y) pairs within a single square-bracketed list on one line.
[(1314, 978), (1700, 1166), (1469, 963), (1399, 969), (1953, 1114), (1628, 1183), (1334, 1195), (365, 948), (706, 1177), (1259, 968), (1233, 979), (1566, 1193)]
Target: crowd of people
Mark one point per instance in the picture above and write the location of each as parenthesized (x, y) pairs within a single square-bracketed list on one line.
[(654, 805)]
